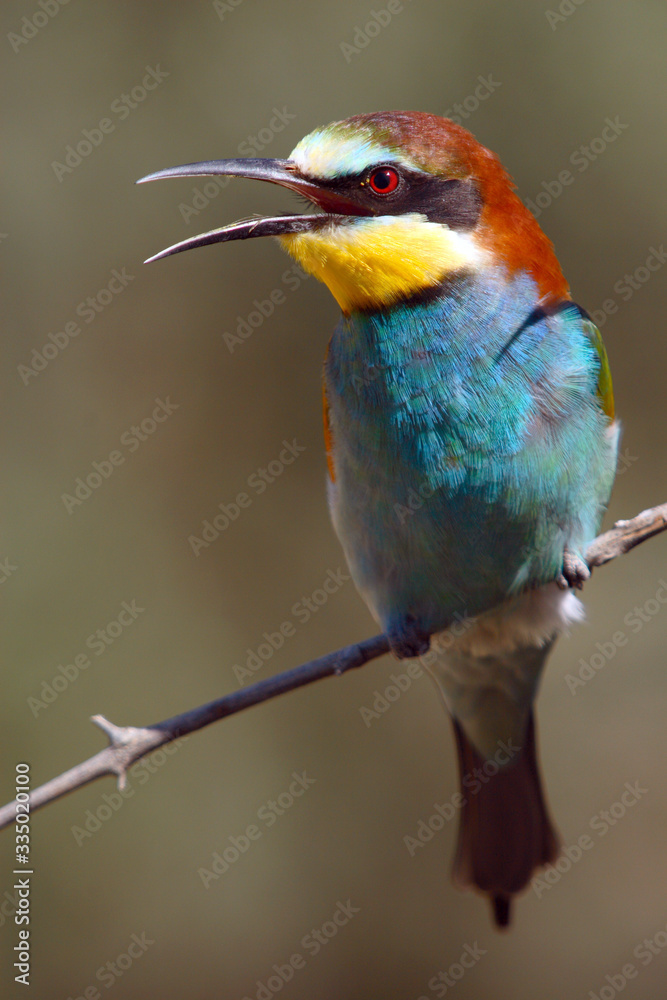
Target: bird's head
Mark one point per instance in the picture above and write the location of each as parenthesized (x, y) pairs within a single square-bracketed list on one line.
[(406, 201)]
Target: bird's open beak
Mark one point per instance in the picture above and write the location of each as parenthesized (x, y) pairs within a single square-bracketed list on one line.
[(334, 207)]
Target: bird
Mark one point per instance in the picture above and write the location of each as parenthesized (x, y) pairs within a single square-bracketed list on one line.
[(470, 436)]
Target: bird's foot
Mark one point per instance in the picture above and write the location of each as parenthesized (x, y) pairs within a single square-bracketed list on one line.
[(407, 638), (575, 572)]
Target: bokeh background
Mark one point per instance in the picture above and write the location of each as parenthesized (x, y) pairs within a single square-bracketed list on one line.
[(225, 71)]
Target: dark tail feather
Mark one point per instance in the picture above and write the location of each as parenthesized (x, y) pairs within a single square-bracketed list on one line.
[(504, 830)]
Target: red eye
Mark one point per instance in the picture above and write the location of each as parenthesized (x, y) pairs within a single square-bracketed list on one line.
[(384, 180)]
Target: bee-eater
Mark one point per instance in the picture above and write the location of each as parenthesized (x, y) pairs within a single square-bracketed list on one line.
[(470, 436)]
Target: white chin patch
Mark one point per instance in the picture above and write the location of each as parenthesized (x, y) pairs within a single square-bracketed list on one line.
[(531, 619)]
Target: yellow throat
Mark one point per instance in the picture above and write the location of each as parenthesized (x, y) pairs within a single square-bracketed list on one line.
[(375, 262)]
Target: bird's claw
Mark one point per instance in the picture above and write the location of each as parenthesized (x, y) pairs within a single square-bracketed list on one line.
[(408, 639), (575, 572)]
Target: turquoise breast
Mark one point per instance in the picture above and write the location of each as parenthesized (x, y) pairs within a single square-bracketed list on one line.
[(470, 446)]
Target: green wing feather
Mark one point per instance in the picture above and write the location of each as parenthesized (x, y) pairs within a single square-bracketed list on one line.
[(605, 390)]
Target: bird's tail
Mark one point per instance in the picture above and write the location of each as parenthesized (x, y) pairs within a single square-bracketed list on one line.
[(505, 832), (489, 683)]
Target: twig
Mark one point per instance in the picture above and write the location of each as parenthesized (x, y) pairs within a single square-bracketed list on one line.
[(625, 535), (128, 744)]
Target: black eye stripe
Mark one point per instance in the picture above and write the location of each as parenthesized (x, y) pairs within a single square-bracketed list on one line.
[(453, 201)]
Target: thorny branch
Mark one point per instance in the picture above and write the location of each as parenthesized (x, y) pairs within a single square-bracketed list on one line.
[(127, 744)]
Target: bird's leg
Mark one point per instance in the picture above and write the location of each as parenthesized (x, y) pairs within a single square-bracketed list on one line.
[(407, 638), (575, 572)]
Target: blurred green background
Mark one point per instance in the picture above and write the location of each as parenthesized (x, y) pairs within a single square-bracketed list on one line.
[(221, 73)]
